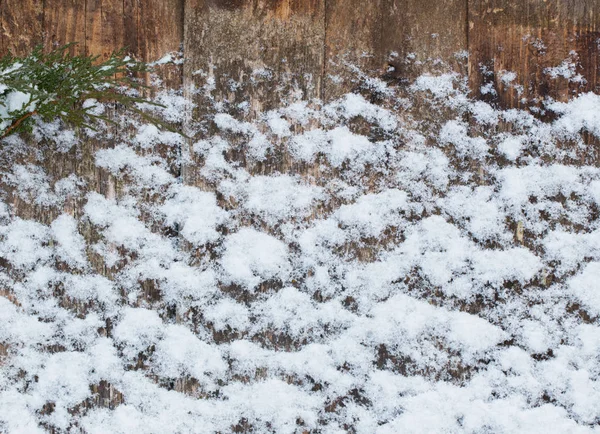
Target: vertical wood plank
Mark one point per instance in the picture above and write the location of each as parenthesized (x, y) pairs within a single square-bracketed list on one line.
[(526, 38), (64, 22), (412, 35), (354, 32), (26, 24), (154, 28), (104, 34), (160, 28), (267, 46), (426, 35), (22, 22), (253, 55), (104, 28), (131, 23)]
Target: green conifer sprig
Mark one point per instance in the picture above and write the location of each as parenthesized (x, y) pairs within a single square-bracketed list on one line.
[(58, 84)]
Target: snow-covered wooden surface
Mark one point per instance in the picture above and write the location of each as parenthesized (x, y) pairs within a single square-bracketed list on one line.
[(405, 259), (311, 41)]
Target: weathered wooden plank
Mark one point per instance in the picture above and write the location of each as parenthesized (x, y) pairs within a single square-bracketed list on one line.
[(160, 28), (131, 23), (64, 22), (154, 28), (25, 25), (104, 34), (526, 38), (412, 36), (425, 35), (21, 25), (251, 56), (269, 47), (354, 31), (104, 28)]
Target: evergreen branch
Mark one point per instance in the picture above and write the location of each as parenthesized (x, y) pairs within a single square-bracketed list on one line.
[(16, 123), (57, 84)]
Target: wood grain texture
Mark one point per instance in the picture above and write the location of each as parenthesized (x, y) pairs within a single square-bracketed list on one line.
[(258, 51), (154, 28), (526, 37), (354, 37), (425, 35), (264, 51), (64, 22), (104, 27), (249, 56), (21, 25), (25, 25), (160, 28), (411, 36)]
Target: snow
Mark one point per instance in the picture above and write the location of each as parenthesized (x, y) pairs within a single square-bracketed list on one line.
[(567, 69), (22, 243), (137, 330), (353, 105), (455, 133), (14, 102), (581, 113), (373, 265), (511, 147), (196, 212), (70, 244), (251, 257), (371, 214), (584, 287), (304, 147), (279, 126), (278, 198), (441, 86), (180, 353)]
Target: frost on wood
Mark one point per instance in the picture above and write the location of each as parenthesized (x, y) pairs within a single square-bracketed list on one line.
[(411, 262)]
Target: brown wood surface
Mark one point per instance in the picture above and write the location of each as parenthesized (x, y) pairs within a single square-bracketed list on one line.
[(147, 29), (310, 43), (65, 23), (159, 28), (104, 27), (427, 35), (21, 25), (269, 47), (303, 45), (410, 36), (160, 31), (256, 52), (354, 37), (528, 36)]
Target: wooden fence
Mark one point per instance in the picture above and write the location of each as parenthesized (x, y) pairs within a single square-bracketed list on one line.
[(307, 43), (306, 40)]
